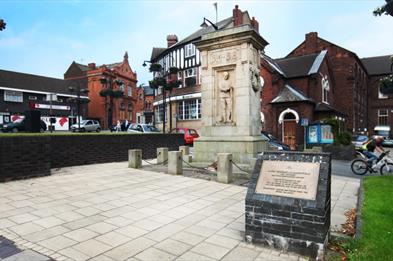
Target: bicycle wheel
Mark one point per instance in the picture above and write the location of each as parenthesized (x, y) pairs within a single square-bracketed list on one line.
[(386, 169), (359, 167)]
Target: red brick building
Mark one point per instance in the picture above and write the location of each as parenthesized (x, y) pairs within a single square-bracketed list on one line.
[(117, 76), (350, 78), (380, 106), (296, 88)]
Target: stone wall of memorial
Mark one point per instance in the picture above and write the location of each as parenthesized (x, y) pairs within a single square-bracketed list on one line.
[(34, 155)]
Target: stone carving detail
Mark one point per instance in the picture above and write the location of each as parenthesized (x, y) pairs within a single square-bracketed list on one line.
[(255, 78), (225, 98), (229, 57)]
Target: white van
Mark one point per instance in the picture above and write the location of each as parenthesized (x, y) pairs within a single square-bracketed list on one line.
[(383, 131)]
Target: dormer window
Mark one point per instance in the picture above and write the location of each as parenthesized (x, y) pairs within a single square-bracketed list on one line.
[(189, 50), (325, 89)]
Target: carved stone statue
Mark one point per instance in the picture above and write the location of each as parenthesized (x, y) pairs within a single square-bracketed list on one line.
[(226, 97), (255, 79)]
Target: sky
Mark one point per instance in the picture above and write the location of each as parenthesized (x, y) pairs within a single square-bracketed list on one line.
[(45, 37)]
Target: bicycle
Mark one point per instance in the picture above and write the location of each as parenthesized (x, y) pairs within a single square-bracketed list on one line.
[(360, 166)]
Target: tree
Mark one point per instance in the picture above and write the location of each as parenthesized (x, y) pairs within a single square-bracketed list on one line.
[(386, 9), (2, 25)]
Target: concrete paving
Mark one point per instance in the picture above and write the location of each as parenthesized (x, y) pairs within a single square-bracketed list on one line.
[(110, 212)]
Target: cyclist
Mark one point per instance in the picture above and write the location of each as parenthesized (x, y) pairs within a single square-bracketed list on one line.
[(370, 147)]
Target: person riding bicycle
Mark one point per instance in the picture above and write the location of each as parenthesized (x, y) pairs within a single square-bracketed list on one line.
[(369, 148)]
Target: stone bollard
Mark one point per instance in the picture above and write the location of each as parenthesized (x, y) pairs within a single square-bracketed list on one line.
[(185, 150), (135, 159), (162, 155), (175, 163), (224, 168)]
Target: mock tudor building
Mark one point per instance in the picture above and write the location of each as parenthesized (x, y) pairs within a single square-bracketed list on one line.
[(108, 78), (186, 100), (20, 92), (380, 106)]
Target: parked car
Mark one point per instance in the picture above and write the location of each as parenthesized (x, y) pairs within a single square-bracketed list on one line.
[(274, 142), (189, 134), (86, 125), (20, 125), (142, 128), (359, 140)]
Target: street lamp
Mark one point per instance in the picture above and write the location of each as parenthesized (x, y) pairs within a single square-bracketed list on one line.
[(159, 74), (108, 91), (205, 25), (78, 91)]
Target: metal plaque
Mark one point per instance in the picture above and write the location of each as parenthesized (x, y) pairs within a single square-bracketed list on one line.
[(288, 179)]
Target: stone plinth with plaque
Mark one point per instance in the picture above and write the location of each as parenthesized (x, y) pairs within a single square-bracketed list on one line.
[(288, 202)]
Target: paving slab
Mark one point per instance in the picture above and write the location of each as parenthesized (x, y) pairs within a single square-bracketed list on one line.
[(111, 212)]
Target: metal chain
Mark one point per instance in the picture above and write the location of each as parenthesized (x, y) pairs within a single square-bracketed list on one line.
[(202, 168), (163, 163), (237, 166)]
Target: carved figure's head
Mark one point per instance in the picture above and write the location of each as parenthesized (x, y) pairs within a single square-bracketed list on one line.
[(225, 75)]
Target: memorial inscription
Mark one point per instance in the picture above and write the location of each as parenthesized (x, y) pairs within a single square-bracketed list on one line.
[(289, 179)]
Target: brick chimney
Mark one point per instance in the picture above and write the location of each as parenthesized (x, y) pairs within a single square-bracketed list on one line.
[(255, 24), (171, 40), (312, 42), (92, 66), (237, 16)]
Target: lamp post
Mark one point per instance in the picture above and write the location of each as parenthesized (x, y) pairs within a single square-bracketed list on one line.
[(160, 74), (205, 25), (78, 91), (108, 91)]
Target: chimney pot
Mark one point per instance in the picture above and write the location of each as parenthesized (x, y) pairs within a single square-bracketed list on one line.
[(171, 40)]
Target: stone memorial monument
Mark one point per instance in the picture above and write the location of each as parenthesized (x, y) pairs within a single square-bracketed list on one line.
[(230, 90), (288, 202)]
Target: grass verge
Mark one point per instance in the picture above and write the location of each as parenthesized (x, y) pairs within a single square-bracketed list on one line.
[(376, 242)]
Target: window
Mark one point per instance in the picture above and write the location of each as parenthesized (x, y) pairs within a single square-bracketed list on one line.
[(383, 117), (325, 89), (121, 87), (159, 113), (122, 106), (130, 107), (190, 77), (380, 94), (189, 109), (129, 91), (189, 50), (13, 96)]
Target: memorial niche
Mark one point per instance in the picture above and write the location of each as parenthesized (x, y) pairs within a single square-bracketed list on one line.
[(288, 202)]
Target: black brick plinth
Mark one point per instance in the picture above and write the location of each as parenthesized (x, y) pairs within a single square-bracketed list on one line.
[(32, 156), (290, 224)]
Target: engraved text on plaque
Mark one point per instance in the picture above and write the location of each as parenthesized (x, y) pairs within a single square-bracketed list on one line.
[(288, 179)]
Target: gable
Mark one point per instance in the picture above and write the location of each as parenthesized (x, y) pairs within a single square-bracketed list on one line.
[(74, 70)]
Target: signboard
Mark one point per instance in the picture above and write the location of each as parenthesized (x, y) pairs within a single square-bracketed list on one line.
[(326, 134), (54, 107), (319, 134), (289, 179), (303, 122), (312, 136)]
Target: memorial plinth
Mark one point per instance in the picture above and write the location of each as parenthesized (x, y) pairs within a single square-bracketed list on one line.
[(288, 202), (230, 90)]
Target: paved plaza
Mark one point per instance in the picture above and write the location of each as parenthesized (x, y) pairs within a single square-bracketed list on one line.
[(110, 212)]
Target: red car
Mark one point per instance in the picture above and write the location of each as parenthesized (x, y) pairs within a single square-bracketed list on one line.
[(189, 134)]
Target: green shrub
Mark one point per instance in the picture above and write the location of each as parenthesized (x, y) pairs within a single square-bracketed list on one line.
[(343, 138)]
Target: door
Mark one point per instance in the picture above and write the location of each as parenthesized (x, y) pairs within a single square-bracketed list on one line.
[(290, 133)]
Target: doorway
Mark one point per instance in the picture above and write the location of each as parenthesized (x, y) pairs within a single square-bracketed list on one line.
[(289, 119)]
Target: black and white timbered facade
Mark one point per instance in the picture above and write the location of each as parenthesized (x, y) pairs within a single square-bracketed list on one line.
[(185, 101)]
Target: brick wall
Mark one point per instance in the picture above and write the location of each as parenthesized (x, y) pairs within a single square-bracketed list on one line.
[(29, 156), (24, 157)]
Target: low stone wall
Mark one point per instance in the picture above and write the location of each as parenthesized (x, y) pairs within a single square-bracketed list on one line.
[(340, 152), (34, 155)]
